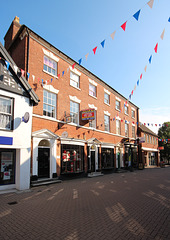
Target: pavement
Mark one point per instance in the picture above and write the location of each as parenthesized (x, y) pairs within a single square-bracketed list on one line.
[(124, 206)]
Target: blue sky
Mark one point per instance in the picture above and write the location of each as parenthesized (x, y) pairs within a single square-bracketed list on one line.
[(76, 27)]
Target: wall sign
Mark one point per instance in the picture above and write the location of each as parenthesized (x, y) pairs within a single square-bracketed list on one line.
[(6, 140), (88, 114)]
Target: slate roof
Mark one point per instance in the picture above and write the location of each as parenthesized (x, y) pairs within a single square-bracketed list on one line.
[(145, 129)]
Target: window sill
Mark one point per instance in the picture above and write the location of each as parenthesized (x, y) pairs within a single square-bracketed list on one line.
[(126, 114), (107, 104), (92, 96), (75, 87), (117, 109), (50, 74)]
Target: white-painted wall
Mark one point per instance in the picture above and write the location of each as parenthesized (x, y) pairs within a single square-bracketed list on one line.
[(21, 141)]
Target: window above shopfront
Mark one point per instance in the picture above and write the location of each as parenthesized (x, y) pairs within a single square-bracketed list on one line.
[(6, 113)]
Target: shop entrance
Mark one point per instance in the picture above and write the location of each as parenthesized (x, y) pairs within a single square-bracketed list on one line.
[(43, 162)]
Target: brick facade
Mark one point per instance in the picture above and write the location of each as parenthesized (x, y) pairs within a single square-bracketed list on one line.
[(28, 50)]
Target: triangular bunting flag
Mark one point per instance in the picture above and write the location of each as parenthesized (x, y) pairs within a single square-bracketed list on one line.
[(51, 80), (150, 59), (140, 76), (169, 20), (145, 68), (7, 65), (134, 88), (102, 43), (123, 26), (62, 73), (113, 35), (94, 50), (87, 56), (150, 3), (58, 75), (73, 65), (22, 72), (16, 69), (156, 48), (162, 35), (80, 60), (136, 15), (33, 78), (132, 92), (138, 82), (68, 69), (28, 74)]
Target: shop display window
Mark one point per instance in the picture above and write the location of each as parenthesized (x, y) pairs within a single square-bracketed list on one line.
[(72, 159), (7, 167), (107, 155)]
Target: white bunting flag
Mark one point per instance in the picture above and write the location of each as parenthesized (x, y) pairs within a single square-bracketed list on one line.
[(33, 77), (113, 35), (15, 69), (87, 56), (162, 35), (150, 3)]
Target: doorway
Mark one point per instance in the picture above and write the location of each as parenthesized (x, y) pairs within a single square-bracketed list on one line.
[(93, 168), (43, 162)]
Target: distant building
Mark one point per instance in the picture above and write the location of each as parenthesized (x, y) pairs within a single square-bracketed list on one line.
[(149, 151), (80, 123), (16, 103)]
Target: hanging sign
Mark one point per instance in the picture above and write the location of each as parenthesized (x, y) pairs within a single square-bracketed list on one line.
[(88, 114)]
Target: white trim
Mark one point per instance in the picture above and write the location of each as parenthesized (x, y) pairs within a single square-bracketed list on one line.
[(133, 124), (50, 55), (132, 109), (74, 99), (92, 82), (51, 89), (92, 106), (75, 71), (106, 91), (149, 149), (118, 118), (72, 141), (107, 113), (118, 99), (107, 145)]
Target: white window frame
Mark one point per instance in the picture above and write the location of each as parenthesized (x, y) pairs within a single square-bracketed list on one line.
[(48, 67), (118, 128), (106, 98), (126, 130), (107, 123), (117, 105), (133, 113), (6, 113), (95, 92), (74, 114), (50, 103), (73, 82), (126, 110)]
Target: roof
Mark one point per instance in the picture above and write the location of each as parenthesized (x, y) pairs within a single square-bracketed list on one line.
[(67, 57), (33, 97), (147, 130)]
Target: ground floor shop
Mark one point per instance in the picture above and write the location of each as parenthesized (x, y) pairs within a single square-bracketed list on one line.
[(150, 157)]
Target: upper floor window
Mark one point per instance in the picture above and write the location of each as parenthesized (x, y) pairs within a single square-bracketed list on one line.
[(147, 138), (50, 66), (107, 123), (92, 123), (74, 112), (117, 104), (49, 104), (126, 110), (6, 113), (133, 113), (74, 80), (133, 131), (92, 90), (106, 98), (118, 126), (126, 130)]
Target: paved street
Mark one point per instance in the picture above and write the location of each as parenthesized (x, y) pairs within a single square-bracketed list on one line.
[(130, 205)]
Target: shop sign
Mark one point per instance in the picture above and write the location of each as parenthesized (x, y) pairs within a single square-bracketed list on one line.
[(141, 139), (88, 114), (6, 140), (161, 148)]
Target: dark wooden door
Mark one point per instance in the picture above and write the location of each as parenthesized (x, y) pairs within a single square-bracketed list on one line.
[(43, 162)]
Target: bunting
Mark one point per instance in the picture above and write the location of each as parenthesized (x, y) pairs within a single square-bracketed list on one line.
[(102, 43), (123, 26), (94, 50), (113, 35), (150, 3), (136, 15)]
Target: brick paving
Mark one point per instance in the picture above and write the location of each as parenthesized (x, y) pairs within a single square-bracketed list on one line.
[(131, 205)]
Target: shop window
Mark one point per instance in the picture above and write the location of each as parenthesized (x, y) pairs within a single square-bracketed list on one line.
[(107, 123), (49, 104), (72, 158), (92, 90), (74, 80), (74, 112), (107, 158), (7, 166), (6, 113), (50, 66)]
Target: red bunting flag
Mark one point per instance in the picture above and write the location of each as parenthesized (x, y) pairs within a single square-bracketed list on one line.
[(73, 65), (94, 50), (22, 72), (156, 48), (124, 26), (58, 75), (132, 92), (140, 76)]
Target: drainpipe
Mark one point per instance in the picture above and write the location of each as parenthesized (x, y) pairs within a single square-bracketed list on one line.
[(28, 46)]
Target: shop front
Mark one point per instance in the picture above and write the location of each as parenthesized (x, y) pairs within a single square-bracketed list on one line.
[(107, 157), (131, 160), (150, 156)]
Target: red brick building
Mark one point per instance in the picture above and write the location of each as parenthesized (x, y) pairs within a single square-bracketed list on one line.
[(65, 138), (149, 146)]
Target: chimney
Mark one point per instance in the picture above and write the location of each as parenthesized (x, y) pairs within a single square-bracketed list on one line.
[(12, 31)]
